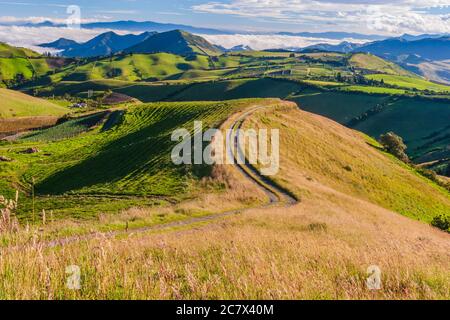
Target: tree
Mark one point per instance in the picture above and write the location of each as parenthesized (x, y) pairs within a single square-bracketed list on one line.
[(394, 144), (442, 222)]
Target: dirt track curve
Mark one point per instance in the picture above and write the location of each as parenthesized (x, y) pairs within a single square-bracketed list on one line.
[(277, 195)]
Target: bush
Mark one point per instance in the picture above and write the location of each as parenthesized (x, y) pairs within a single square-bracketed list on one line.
[(394, 144), (442, 222)]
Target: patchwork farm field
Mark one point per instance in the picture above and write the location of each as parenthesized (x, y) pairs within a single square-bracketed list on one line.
[(352, 196), (109, 161)]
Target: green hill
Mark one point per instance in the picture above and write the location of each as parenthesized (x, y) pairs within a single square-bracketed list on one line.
[(354, 199), (18, 65), (7, 51), (373, 63), (136, 67), (17, 104), (409, 82), (176, 42), (128, 150)]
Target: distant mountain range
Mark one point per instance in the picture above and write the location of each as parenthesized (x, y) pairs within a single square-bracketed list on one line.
[(429, 48), (60, 44), (333, 35), (409, 37), (105, 44), (429, 57), (135, 26), (426, 56), (175, 41), (237, 48)]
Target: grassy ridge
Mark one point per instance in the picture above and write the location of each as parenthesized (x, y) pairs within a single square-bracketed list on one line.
[(7, 51), (16, 104), (376, 64), (409, 82), (335, 157), (320, 248), (136, 67)]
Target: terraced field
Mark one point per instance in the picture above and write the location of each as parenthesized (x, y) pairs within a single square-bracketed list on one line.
[(105, 168)]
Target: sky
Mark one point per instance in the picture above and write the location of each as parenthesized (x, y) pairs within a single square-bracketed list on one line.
[(385, 17)]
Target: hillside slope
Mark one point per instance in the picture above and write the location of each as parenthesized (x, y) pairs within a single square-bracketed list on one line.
[(17, 104), (326, 159), (128, 150), (8, 51), (321, 248), (376, 64)]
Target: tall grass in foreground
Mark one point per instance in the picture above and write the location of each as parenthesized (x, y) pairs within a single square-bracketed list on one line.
[(320, 248), (266, 254)]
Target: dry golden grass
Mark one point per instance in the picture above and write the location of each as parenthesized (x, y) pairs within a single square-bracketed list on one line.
[(17, 104), (320, 157), (14, 125), (270, 253), (318, 249)]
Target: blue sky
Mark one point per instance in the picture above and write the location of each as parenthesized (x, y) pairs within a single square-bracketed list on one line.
[(385, 17), (370, 16)]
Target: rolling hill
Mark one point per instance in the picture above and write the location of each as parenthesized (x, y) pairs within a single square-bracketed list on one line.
[(376, 64), (8, 51), (16, 104), (352, 197), (18, 65), (176, 42)]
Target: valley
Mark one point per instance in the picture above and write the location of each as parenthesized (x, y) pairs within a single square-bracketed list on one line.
[(87, 173)]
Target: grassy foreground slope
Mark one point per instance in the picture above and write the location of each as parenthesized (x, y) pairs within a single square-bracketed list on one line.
[(17, 104), (321, 248)]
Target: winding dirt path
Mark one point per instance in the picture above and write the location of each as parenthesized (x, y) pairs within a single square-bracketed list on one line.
[(277, 196)]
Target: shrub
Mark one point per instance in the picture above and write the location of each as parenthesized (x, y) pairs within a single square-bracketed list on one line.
[(394, 144), (442, 222)]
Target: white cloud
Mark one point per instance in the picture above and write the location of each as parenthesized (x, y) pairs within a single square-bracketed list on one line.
[(262, 42), (391, 17), (29, 37), (9, 20)]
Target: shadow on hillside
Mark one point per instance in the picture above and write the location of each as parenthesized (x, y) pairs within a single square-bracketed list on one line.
[(136, 163)]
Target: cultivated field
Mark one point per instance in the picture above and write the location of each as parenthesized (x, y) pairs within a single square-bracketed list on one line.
[(358, 208)]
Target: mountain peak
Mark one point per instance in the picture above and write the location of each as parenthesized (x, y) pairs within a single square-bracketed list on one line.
[(176, 42), (104, 44)]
